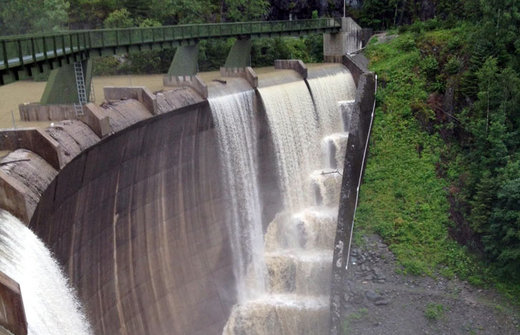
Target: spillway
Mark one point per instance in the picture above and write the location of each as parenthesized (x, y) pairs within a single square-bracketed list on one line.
[(307, 130), (234, 117), (51, 305)]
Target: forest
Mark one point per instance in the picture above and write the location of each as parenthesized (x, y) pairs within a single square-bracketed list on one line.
[(442, 184)]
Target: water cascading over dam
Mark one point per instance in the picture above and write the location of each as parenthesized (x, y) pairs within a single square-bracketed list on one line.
[(202, 216), (283, 283), (51, 306)]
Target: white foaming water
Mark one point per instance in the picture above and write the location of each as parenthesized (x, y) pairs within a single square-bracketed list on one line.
[(334, 147), (234, 121), (294, 126), (50, 304), (335, 85), (309, 146)]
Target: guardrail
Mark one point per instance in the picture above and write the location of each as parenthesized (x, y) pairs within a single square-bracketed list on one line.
[(19, 51)]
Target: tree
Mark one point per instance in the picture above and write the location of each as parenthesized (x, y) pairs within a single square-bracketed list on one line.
[(503, 240), (120, 18), (21, 17)]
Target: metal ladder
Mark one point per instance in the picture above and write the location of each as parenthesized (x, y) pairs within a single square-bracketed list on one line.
[(80, 86)]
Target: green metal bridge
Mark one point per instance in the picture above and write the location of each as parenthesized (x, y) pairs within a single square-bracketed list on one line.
[(23, 56)]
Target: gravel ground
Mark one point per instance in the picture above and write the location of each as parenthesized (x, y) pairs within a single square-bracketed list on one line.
[(378, 300)]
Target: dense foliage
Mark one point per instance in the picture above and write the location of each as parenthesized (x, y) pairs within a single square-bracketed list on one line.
[(446, 142)]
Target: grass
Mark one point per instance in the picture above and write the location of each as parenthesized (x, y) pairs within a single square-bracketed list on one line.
[(434, 312), (353, 317), (402, 198)]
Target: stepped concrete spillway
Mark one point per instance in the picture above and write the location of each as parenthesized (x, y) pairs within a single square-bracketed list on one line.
[(137, 206)]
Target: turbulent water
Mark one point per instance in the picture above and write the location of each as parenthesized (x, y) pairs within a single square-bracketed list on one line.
[(309, 144), (50, 304), (234, 121)]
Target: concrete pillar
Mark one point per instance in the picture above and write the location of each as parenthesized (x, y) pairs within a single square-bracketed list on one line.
[(61, 87), (346, 41), (240, 54), (185, 62), (12, 313), (238, 62)]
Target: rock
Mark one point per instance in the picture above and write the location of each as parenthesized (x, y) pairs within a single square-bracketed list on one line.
[(381, 302), (372, 295)]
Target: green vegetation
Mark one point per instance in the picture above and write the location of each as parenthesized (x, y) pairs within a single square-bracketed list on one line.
[(444, 163), (434, 312), (353, 317), (403, 199)]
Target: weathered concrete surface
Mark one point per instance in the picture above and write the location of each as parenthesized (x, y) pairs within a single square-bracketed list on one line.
[(12, 314), (32, 139), (73, 137), (96, 119), (125, 113), (36, 155), (193, 82), (246, 72), (139, 93), (38, 112), (175, 98), (344, 42), (291, 64), (24, 176), (138, 223), (360, 124)]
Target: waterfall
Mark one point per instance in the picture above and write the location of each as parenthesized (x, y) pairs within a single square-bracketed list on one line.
[(330, 84), (50, 303), (234, 119), (294, 124), (307, 128)]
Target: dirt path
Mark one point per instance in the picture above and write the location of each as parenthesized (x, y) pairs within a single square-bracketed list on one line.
[(381, 301)]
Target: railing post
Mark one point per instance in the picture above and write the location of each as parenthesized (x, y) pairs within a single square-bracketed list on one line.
[(54, 45), (71, 44), (63, 49), (6, 58), (20, 53), (33, 51), (44, 44), (117, 37)]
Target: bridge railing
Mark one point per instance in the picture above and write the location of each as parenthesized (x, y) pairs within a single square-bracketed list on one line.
[(16, 51)]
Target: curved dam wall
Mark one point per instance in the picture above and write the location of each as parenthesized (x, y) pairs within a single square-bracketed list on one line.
[(138, 223), (137, 215)]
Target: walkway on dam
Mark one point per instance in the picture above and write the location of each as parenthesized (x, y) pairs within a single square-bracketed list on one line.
[(22, 55)]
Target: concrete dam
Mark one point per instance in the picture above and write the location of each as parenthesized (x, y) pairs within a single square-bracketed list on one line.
[(172, 213)]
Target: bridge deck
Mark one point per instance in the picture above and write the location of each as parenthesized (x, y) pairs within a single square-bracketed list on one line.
[(19, 55)]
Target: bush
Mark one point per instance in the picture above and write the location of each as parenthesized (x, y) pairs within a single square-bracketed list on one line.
[(453, 66), (429, 66), (105, 66)]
